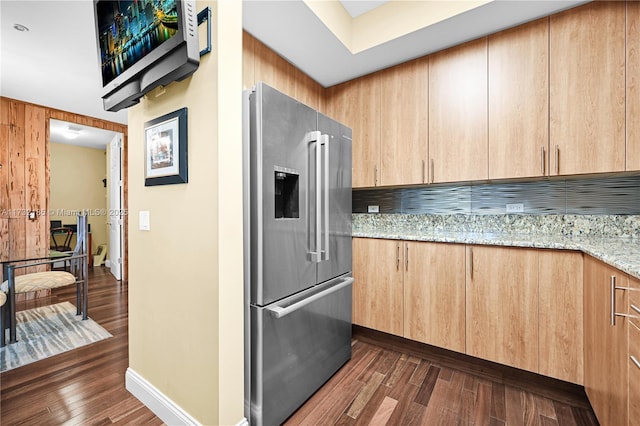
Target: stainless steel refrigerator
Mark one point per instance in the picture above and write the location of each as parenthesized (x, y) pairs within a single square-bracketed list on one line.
[(297, 252)]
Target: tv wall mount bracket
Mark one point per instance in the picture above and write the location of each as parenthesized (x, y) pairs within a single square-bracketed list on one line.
[(205, 15)]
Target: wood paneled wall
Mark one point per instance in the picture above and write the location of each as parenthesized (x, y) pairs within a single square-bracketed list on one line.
[(25, 175)]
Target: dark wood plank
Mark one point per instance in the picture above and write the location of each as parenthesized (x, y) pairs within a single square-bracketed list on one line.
[(420, 373), (454, 393), (483, 405), (398, 368), (495, 422), (426, 389), (547, 421), (498, 410), (564, 414), (529, 408), (584, 417), (445, 374), (513, 406), (365, 395)]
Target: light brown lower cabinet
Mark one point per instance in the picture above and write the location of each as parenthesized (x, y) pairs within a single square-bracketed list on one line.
[(410, 289), (634, 351), (634, 375), (434, 293), (378, 287), (502, 305), (519, 307), (606, 342), (560, 315)]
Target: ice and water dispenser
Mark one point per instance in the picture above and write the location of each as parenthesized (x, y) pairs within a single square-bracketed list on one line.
[(287, 197)]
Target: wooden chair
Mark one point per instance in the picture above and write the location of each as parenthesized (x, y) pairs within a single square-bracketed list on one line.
[(78, 266)]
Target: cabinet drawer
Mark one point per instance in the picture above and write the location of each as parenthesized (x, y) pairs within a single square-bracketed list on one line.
[(634, 375)]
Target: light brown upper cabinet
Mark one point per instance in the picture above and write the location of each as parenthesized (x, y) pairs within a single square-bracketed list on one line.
[(356, 103), (519, 101), (403, 123), (587, 89), (502, 305), (633, 85), (434, 294), (458, 113), (378, 287)]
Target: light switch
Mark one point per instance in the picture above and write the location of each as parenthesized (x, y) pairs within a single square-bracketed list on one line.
[(144, 220)]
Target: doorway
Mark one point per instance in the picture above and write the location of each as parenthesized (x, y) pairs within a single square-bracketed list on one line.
[(86, 174)]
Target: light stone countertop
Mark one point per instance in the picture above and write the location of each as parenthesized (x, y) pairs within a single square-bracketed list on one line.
[(621, 253)]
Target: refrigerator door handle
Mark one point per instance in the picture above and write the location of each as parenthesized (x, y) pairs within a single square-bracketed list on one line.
[(325, 142), (316, 253), (280, 312)]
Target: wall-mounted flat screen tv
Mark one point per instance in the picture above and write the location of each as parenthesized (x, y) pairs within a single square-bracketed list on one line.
[(143, 44)]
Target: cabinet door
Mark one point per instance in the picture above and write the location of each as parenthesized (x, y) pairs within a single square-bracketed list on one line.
[(587, 89), (633, 86), (560, 315), (434, 294), (458, 113), (519, 101), (378, 286), (634, 351), (502, 305), (356, 104), (605, 345), (403, 121), (634, 375)]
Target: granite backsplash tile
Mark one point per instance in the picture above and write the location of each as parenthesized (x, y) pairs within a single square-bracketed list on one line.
[(602, 226)]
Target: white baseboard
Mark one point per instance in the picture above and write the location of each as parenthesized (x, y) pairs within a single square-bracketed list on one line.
[(163, 407)]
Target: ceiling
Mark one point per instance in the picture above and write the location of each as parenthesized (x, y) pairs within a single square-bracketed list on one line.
[(89, 137), (356, 8), (55, 62)]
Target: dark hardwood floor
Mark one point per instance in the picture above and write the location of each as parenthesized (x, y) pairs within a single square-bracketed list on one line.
[(83, 386), (389, 380), (392, 381)]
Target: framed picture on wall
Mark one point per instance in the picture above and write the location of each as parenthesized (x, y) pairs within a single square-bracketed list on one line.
[(165, 144)]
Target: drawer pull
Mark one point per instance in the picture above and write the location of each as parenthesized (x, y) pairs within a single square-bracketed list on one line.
[(635, 361), (635, 308)]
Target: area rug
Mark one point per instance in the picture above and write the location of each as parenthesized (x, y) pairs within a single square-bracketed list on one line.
[(46, 331)]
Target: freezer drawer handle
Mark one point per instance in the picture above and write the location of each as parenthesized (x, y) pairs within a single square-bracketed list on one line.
[(279, 311)]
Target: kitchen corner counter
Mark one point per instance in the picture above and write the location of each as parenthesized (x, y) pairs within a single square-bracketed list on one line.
[(622, 253)]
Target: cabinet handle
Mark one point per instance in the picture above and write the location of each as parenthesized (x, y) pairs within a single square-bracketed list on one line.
[(613, 288), (406, 256), (423, 174), (398, 257), (542, 156), (635, 361), (471, 261), (635, 308), (557, 159), (612, 295), (375, 175), (432, 172)]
